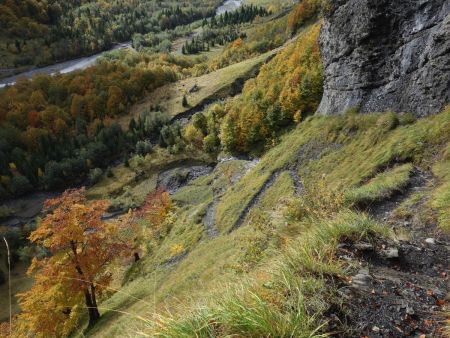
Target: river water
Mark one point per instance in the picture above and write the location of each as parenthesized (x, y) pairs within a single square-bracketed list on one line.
[(228, 5), (62, 67), (84, 62)]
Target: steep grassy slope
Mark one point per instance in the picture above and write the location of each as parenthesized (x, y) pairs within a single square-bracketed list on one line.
[(256, 252), (200, 90)]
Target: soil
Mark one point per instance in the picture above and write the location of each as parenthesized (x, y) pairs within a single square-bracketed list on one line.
[(402, 287)]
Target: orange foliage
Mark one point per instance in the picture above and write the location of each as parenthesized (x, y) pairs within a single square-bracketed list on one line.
[(33, 118), (156, 207), (305, 10), (82, 248), (286, 88)]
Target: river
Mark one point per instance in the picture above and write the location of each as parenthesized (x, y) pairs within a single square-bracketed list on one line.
[(228, 5), (62, 67), (84, 62)]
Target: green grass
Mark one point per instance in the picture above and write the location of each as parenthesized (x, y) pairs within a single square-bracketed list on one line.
[(346, 151), (440, 198), (381, 186), (273, 252), (193, 195), (281, 190), (286, 303)]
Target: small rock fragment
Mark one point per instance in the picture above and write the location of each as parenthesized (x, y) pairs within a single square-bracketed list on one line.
[(391, 253), (430, 241), (363, 246), (362, 279), (375, 329), (409, 310)]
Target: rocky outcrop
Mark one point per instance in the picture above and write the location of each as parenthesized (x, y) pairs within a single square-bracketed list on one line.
[(382, 55)]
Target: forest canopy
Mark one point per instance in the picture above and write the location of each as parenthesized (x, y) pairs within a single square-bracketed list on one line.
[(41, 32), (55, 129)]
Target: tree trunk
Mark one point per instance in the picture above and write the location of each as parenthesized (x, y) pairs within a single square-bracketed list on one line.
[(91, 301), (91, 305)]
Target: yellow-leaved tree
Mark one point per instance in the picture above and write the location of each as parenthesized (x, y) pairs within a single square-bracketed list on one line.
[(77, 271)]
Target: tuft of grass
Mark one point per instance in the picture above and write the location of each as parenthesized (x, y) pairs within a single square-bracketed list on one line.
[(313, 253), (381, 186), (440, 198)]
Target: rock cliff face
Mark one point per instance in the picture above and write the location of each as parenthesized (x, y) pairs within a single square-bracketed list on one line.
[(384, 55)]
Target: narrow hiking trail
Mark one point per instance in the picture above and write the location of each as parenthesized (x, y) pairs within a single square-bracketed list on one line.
[(401, 286), (291, 169), (255, 200)]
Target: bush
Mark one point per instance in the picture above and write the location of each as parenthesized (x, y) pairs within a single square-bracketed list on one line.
[(211, 143), (95, 175), (143, 147), (185, 102), (20, 185), (109, 173)]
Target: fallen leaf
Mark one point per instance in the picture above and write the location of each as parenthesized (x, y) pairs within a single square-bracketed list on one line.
[(440, 302)]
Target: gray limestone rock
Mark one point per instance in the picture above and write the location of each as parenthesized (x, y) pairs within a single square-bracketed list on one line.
[(386, 55)]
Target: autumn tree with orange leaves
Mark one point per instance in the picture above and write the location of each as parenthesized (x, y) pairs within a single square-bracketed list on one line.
[(77, 271)]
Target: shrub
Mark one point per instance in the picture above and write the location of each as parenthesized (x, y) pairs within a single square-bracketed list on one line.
[(211, 143), (143, 147), (184, 102), (95, 175), (20, 185), (109, 172)]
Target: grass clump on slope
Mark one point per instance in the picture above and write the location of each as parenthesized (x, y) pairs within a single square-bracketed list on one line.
[(381, 186)]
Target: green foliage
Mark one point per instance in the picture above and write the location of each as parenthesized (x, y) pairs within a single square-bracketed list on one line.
[(43, 32), (95, 175), (143, 147), (184, 102), (20, 185), (203, 132), (223, 29), (258, 39), (109, 172), (55, 128)]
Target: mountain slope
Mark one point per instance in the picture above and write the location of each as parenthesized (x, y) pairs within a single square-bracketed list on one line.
[(280, 224)]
